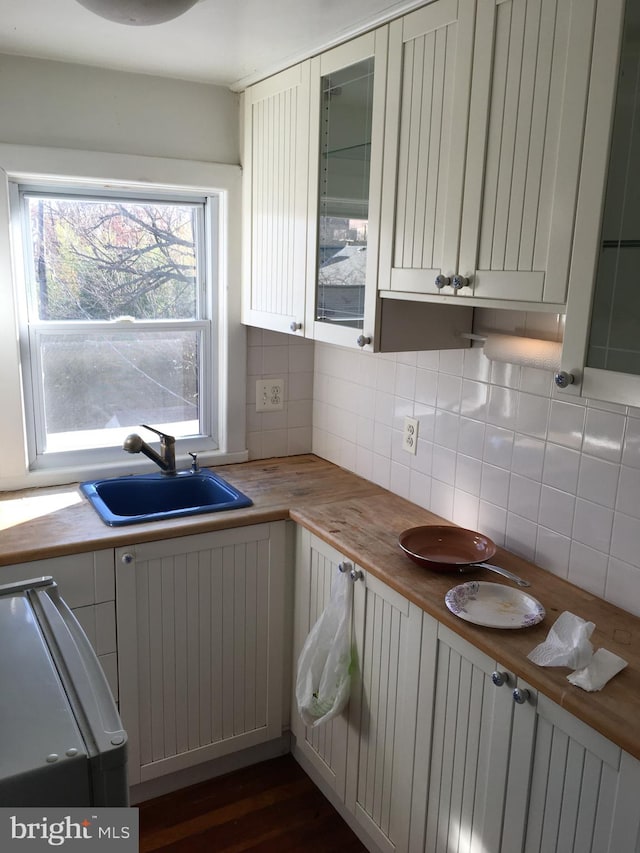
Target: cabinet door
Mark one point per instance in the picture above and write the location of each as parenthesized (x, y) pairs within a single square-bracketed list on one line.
[(325, 748), (200, 632), (348, 87), (462, 747), (530, 82), (428, 90), (583, 790), (276, 171), (382, 716)]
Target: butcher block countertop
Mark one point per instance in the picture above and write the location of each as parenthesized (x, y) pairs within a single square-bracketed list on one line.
[(362, 521)]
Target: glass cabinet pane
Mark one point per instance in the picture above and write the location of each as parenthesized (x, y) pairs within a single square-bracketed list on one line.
[(614, 343), (345, 153)]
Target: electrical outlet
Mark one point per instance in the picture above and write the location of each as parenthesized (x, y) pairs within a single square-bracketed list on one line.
[(269, 395), (410, 435)]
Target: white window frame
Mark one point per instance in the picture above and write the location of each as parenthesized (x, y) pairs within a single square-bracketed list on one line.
[(127, 173)]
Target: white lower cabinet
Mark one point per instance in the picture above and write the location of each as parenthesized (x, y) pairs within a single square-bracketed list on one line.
[(86, 582), (364, 757), (495, 776), (200, 637)]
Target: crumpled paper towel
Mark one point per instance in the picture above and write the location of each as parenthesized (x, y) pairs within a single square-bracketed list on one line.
[(567, 643), (602, 667)]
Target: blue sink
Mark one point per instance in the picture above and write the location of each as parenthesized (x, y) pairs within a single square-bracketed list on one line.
[(152, 497)]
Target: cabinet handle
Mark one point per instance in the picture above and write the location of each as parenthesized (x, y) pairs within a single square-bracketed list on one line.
[(442, 281), (354, 574), (563, 379), (521, 695), (459, 281), (500, 678), (362, 341), (127, 559), (295, 326)]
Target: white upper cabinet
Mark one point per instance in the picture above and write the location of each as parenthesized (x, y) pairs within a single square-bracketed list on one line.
[(601, 350), (276, 172), (484, 128), (313, 150)]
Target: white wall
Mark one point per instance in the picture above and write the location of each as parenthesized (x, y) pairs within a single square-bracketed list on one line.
[(60, 105)]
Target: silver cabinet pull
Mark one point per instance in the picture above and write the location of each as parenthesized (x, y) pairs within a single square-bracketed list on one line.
[(442, 281), (363, 341), (500, 678), (521, 695), (354, 574), (563, 379), (295, 326), (127, 559), (459, 281)]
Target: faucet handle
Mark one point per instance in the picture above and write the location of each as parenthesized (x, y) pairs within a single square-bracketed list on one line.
[(170, 439), (194, 464)]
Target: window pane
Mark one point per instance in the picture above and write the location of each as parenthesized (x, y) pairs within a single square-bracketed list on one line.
[(97, 259), (94, 385), (345, 160)]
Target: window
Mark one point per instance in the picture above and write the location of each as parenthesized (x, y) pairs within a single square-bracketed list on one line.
[(117, 317), (124, 319)]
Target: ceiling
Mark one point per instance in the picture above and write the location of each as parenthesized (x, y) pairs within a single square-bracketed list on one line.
[(227, 42)]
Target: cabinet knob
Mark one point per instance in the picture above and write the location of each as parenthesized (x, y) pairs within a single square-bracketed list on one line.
[(295, 327), (521, 695), (345, 567), (500, 678), (362, 340), (459, 281), (563, 379), (127, 559), (442, 281)]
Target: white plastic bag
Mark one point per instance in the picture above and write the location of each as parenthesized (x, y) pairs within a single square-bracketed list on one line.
[(323, 679)]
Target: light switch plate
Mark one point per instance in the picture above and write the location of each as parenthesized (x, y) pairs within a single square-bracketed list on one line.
[(269, 395)]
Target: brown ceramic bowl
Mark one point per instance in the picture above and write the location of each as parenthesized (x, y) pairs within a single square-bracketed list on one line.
[(445, 549)]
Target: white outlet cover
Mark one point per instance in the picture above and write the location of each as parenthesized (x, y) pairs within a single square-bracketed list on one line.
[(269, 395), (410, 435)]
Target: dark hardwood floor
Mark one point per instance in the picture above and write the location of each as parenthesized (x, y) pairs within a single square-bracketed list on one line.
[(272, 807)]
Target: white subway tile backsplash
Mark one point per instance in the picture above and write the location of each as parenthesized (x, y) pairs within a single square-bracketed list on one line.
[(426, 386), (552, 551), (492, 521), (625, 539), (471, 437), (588, 568), (623, 585), (498, 446), (524, 497), (592, 525), (629, 492), (449, 393), (494, 485), (556, 510), (532, 415), (499, 449), (604, 434), (598, 480), (561, 468), (528, 456), (566, 424)]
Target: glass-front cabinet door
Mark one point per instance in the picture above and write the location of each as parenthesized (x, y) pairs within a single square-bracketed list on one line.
[(603, 314), (346, 135)]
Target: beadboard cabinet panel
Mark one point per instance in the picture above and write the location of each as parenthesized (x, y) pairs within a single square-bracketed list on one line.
[(483, 150), (276, 173), (200, 630)]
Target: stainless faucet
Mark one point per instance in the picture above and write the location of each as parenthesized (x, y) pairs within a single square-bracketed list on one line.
[(166, 459)]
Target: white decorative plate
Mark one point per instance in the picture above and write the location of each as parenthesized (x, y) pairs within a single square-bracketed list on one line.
[(494, 605)]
